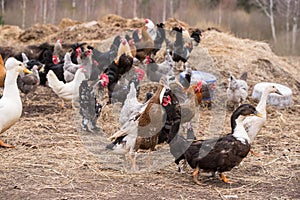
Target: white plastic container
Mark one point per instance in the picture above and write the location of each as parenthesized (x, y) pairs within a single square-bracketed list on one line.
[(280, 101)]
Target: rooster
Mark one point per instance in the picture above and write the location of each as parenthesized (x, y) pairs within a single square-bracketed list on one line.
[(180, 51), (145, 127), (151, 28), (144, 46), (58, 52), (184, 44), (119, 66)]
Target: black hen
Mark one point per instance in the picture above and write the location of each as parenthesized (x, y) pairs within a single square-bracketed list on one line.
[(115, 70), (196, 34), (57, 69), (180, 51), (77, 49), (160, 38), (103, 59)]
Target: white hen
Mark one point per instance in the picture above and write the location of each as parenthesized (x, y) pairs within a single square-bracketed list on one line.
[(237, 91), (69, 68), (66, 91), (131, 105)]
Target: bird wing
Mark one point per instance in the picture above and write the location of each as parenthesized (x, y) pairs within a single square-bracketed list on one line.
[(125, 129)]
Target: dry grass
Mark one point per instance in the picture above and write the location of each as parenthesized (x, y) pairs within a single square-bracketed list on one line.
[(53, 159)]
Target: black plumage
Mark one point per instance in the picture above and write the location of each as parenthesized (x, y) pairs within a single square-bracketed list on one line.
[(196, 36), (173, 118), (115, 70), (214, 155), (135, 36), (104, 59), (180, 51), (49, 65), (76, 48), (160, 37)]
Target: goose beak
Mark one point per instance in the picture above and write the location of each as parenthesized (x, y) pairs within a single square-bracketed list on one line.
[(258, 114), (278, 92), (27, 71)]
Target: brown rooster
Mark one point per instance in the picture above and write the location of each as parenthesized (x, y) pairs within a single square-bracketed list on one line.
[(144, 46), (142, 130)]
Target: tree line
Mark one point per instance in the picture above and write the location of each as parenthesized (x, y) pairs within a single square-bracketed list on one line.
[(275, 21)]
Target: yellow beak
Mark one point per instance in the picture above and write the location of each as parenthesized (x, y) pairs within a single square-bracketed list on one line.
[(259, 114), (27, 71)]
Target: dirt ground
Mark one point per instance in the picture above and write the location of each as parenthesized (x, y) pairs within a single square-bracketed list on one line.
[(54, 159)]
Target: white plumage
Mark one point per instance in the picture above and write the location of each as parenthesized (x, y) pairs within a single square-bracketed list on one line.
[(69, 68), (66, 91), (10, 103), (237, 91), (253, 124), (131, 105)]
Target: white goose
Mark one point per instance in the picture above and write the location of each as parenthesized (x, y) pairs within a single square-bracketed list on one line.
[(253, 124), (10, 103)]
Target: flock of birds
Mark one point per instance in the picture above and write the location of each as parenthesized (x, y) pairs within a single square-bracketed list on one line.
[(83, 74)]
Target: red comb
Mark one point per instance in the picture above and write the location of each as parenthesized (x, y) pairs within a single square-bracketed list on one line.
[(146, 21)]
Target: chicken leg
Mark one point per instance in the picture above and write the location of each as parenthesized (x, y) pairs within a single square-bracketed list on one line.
[(224, 179), (195, 175), (2, 144), (254, 153)]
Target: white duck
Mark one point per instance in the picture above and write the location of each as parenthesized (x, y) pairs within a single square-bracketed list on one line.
[(10, 103), (253, 124)]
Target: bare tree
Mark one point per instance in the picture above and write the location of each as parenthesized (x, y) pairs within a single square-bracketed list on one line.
[(23, 13), (2, 7), (134, 8), (295, 19), (120, 7), (53, 10), (290, 10), (268, 7), (171, 8), (45, 11), (164, 10), (85, 10)]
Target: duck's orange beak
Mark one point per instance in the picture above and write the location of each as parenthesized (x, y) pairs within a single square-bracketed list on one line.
[(27, 71)]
